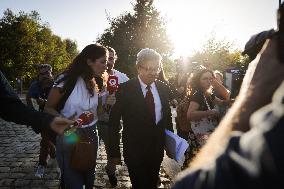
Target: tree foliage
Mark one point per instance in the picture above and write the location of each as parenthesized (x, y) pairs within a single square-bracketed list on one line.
[(131, 32), (25, 42), (219, 55)]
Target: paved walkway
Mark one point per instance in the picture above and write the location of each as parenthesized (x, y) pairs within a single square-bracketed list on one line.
[(19, 150)]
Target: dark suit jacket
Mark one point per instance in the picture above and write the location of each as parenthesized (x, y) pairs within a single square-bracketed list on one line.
[(142, 139)]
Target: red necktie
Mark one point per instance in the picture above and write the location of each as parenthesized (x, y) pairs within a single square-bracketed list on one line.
[(150, 103)]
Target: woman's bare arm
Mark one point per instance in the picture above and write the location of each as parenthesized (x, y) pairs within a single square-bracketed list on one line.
[(53, 99), (193, 114), (220, 89), (263, 77)]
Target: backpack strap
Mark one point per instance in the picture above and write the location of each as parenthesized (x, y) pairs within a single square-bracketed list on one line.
[(65, 96)]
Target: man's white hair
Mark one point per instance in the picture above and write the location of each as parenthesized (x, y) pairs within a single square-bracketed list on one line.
[(146, 55)]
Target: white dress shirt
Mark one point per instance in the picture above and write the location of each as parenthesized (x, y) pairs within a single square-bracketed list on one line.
[(157, 100), (122, 77)]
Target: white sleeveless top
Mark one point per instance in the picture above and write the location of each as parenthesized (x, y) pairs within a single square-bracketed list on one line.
[(80, 100)]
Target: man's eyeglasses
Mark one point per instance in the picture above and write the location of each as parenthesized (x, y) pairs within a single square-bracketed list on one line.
[(151, 69)]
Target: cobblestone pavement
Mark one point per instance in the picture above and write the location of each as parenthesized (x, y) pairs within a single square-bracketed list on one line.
[(19, 150)]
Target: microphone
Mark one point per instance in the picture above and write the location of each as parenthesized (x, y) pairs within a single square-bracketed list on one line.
[(85, 118), (112, 84)]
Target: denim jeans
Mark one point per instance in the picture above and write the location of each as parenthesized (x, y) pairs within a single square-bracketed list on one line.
[(64, 145)]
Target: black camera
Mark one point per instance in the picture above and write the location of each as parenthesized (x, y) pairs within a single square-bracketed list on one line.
[(255, 43)]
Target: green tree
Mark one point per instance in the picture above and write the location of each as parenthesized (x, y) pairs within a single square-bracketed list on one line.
[(25, 42), (220, 54), (131, 32)]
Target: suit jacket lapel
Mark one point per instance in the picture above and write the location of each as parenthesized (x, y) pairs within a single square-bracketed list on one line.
[(138, 96), (137, 90)]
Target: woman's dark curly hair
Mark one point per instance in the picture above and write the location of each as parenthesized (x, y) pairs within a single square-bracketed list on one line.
[(80, 68), (194, 82)]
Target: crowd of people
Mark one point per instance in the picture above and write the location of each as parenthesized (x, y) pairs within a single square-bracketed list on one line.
[(91, 101)]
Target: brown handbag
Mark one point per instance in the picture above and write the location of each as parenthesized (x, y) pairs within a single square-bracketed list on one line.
[(83, 156)]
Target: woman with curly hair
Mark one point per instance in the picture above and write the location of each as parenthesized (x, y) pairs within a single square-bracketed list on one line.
[(201, 114)]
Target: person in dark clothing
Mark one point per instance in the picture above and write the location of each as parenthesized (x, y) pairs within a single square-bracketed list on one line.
[(180, 80), (143, 105), (251, 156), (39, 90), (179, 86), (12, 109)]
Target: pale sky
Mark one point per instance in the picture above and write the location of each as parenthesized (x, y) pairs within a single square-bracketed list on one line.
[(190, 22)]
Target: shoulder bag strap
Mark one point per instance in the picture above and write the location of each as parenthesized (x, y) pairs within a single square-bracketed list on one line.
[(206, 102)]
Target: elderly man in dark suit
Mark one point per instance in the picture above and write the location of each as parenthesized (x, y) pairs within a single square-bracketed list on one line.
[(143, 105)]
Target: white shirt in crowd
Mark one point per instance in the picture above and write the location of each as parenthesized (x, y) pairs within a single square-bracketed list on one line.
[(157, 100), (122, 77)]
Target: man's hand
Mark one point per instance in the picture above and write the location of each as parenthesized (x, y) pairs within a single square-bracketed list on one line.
[(59, 124)]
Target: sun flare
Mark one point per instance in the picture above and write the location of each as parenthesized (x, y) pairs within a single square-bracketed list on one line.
[(186, 26), (190, 24)]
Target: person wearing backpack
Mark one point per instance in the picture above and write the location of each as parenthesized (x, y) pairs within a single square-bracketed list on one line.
[(75, 92), (38, 91)]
